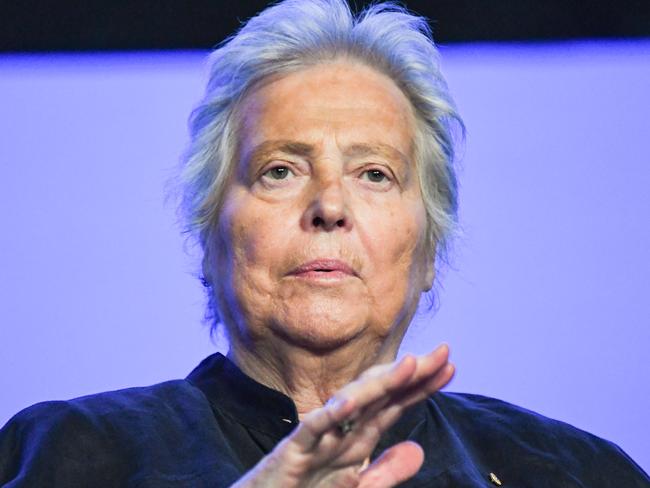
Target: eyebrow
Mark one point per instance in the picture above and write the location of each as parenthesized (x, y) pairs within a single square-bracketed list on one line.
[(267, 148), (386, 150)]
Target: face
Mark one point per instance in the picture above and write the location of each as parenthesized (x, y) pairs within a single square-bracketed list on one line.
[(321, 234)]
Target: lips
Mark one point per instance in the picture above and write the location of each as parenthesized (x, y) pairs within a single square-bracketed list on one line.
[(323, 268)]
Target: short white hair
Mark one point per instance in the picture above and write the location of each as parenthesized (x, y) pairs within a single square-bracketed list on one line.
[(293, 35)]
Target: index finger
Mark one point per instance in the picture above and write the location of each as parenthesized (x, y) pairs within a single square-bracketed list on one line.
[(383, 382), (351, 399)]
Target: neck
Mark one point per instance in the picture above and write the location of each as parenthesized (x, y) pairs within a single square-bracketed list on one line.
[(310, 377)]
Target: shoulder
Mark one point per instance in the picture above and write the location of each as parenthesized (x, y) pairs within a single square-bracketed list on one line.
[(506, 431), (103, 433), (113, 410), (488, 414)]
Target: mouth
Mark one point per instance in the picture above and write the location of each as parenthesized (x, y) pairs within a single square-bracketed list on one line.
[(328, 269)]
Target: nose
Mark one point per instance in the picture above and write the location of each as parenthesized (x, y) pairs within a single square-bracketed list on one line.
[(328, 207)]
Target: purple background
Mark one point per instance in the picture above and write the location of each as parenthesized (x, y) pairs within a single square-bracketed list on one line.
[(548, 305)]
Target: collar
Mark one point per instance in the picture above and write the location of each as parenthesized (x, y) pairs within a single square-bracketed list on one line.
[(243, 399), (261, 409), (258, 407)]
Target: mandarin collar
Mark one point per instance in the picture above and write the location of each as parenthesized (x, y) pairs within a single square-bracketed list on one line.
[(233, 393), (240, 397)]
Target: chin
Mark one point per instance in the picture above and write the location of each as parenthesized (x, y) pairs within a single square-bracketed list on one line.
[(322, 325)]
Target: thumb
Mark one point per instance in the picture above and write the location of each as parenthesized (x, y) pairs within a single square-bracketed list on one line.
[(397, 464)]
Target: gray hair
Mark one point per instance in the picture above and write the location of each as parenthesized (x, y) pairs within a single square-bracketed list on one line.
[(293, 35)]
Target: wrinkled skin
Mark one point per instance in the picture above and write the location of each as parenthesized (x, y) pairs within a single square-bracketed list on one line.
[(316, 454), (326, 176)]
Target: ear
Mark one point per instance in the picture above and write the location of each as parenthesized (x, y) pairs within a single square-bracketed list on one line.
[(429, 271), (206, 267), (429, 277)]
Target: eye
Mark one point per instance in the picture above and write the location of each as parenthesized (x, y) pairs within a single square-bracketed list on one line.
[(375, 176), (277, 173)]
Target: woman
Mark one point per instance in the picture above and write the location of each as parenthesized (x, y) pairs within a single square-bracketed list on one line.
[(320, 186)]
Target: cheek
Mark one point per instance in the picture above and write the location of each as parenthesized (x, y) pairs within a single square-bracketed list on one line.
[(395, 250), (242, 254), (255, 243), (397, 236)]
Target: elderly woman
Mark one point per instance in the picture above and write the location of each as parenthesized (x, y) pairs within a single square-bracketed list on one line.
[(319, 183)]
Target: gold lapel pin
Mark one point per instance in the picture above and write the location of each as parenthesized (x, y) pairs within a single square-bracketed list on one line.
[(494, 480)]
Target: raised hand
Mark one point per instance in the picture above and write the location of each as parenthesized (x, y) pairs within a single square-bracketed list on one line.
[(330, 445)]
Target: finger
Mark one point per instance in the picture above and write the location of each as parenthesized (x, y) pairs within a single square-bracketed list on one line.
[(319, 421), (355, 445), (376, 384), (373, 422), (380, 387), (420, 391), (429, 364), (382, 378), (395, 465), (432, 373), (381, 417), (426, 366), (380, 382), (426, 388), (361, 441)]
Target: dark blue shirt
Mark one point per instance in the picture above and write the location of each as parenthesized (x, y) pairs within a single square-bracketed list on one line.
[(210, 428)]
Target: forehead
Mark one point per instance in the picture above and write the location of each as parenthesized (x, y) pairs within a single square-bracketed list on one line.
[(348, 101)]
